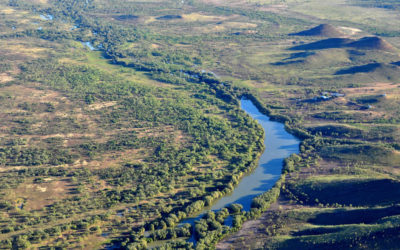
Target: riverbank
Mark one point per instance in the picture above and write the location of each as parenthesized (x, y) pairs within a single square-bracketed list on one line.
[(260, 183)]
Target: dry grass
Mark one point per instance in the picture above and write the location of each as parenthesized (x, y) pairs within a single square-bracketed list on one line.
[(26, 51), (220, 27), (97, 106), (5, 77), (275, 8), (7, 11), (262, 5), (30, 94), (349, 30), (115, 159), (374, 88), (199, 17), (35, 196), (22, 50)]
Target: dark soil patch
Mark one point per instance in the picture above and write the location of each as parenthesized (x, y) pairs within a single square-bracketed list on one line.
[(288, 62), (300, 55), (126, 18), (169, 17)]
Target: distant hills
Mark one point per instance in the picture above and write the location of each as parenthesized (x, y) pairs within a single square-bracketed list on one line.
[(360, 69), (368, 43), (326, 30), (373, 42), (324, 44), (383, 69), (336, 40)]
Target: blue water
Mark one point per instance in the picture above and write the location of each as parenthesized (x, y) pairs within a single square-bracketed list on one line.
[(46, 17), (89, 45), (279, 144)]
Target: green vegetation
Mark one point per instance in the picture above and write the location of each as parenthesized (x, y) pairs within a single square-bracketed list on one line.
[(119, 144)]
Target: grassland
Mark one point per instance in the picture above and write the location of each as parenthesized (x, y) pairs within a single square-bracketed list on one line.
[(101, 145)]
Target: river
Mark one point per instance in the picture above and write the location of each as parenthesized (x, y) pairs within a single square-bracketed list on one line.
[(278, 143)]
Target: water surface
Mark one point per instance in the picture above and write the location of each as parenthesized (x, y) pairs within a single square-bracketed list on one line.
[(89, 45), (279, 144), (46, 17)]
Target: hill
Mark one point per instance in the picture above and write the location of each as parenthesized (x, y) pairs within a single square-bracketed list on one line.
[(378, 68), (316, 59), (329, 43), (327, 30), (367, 43), (373, 42), (360, 69)]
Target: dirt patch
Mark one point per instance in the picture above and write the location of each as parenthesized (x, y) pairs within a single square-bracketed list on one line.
[(22, 49), (97, 106), (40, 1), (22, 93), (252, 233), (324, 168), (7, 11), (198, 17), (13, 168), (349, 30), (115, 159), (375, 88), (267, 7), (222, 26), (36, 194), (5, 77)]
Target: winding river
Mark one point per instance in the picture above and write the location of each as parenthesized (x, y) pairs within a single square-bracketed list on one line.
[(279, 144)]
